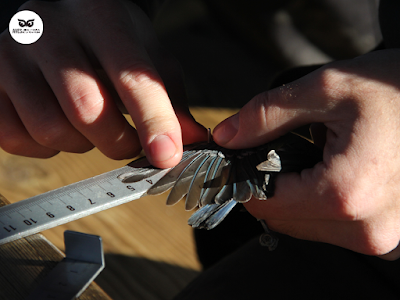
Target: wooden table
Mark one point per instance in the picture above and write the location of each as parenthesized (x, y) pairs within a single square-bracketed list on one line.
[(148, 246)]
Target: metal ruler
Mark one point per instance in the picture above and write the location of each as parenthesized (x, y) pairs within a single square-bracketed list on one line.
[(83, 262), (76, 200)]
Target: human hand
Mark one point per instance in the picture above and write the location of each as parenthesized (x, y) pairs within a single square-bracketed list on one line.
[(352, 198), (53, 95)]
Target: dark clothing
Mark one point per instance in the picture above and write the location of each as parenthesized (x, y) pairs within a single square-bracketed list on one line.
[(9, 7), (297, 269), (390, 23), (7, 10)]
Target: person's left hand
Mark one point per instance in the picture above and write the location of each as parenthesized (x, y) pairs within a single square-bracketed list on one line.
[(61, 93), (352, 198)]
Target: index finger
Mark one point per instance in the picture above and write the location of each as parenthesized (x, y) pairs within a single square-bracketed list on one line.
[(142, 91)]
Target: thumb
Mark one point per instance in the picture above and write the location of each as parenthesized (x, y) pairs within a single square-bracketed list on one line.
[(271, 114)]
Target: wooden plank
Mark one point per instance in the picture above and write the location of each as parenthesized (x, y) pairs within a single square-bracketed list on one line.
[(25, 263)]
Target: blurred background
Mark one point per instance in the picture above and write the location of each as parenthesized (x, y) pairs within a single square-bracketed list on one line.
[(231, 49)]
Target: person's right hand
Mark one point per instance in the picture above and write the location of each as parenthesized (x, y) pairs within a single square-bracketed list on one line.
[(53, 97), (352, 197)]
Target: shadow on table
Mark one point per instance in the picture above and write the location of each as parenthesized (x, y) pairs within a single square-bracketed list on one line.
[(126, 277)]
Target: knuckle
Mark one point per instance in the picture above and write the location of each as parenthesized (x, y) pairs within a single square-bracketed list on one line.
[(264, 110), (376, 241), (56, 136), (350, 203), (383, 246), (335, 82), (88, 106), (344, 201), (344, 206), (12, 144), (350, 194), (122, 151), (48, 135), (139, 76), (19, 145), (159, 120)]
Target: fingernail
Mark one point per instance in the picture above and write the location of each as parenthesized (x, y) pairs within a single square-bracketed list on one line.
[(162, 148), (226, 130)]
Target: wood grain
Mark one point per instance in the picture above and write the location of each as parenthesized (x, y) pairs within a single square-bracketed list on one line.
[(149, 247), (26, 262)]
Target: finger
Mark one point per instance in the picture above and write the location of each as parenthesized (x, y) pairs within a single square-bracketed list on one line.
[(192, 132), (14, 138), (87, 104), (142, 92), (169, 69), (355, 236), (314, 214), (311, 99), (321, 231), (326, 204), (41, 114), (35, 103), (349, 235), (392, 255), (328, 191), (294, 198)]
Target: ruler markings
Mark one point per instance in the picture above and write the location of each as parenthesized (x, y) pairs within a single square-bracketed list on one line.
[(70, 203)]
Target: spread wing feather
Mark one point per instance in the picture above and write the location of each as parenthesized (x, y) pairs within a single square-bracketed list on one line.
[(215, 179)]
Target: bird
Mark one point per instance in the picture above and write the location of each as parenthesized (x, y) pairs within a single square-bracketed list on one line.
[(214, 179)]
